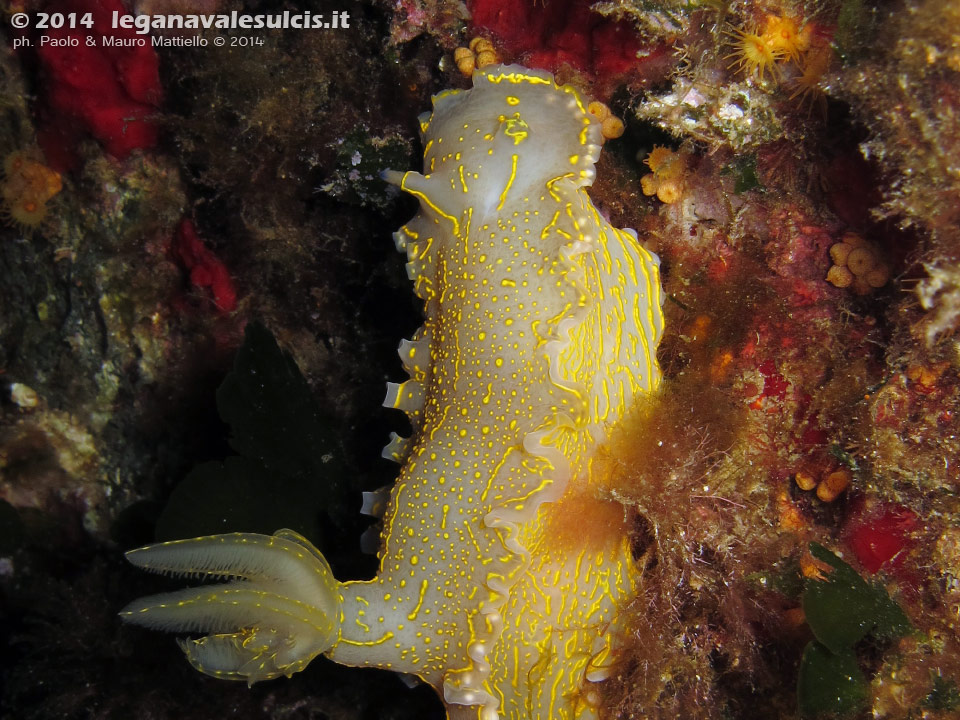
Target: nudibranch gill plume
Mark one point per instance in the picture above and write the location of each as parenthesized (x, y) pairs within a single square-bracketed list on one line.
[(542, 323)]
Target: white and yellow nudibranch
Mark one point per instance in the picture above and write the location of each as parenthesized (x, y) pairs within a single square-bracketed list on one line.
[(542, 323)]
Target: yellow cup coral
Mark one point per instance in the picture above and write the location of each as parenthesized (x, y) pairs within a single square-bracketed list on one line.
[(611, 127), (26, 188), (785, 37), (753, 54), (857, 264), (813, 66), (479, 54), (784, 40), (668, 177)]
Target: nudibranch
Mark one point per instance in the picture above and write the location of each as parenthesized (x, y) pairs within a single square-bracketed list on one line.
[(542, 322)]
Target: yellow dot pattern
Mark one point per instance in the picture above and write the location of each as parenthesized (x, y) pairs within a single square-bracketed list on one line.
[(541, 326), (542, 322)]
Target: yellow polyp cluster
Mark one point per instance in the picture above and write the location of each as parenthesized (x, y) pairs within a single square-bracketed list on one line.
[(754, 54), (479, 54), (27, 187), (829, 484), (785, 38), (858, 265), (668, 177), (783, 41), (610, 125)]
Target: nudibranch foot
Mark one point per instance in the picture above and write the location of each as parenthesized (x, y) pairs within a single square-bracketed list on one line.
[(279, 610)]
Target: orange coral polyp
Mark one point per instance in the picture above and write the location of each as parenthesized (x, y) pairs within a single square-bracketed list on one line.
[(667, 179), (657, 157), (754, 55), (806, 86), (665, 163), (27, 214), (26, 187), (782, 35)]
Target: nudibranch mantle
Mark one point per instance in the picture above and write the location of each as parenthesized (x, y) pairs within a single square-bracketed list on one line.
[(542, 322)]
